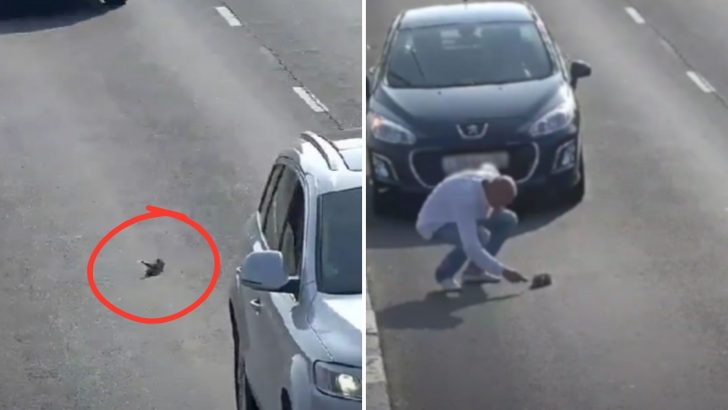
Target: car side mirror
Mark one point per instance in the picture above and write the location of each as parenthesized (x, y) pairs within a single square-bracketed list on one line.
[(579, 69), (263, 270)]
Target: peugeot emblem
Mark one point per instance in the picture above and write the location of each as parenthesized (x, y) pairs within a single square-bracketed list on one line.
[(472, 131)]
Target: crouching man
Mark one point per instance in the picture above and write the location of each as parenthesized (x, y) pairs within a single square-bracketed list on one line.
[(469, 211)]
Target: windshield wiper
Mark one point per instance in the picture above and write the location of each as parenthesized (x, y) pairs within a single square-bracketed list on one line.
[(417, 62), (400, 78)]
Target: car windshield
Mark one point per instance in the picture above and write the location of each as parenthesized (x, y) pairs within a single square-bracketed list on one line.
[(339, 242), (465, 55)]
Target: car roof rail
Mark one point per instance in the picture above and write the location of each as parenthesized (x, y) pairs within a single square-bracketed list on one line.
[(326, 148)]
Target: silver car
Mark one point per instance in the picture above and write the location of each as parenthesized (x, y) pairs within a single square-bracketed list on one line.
[(296, 303)]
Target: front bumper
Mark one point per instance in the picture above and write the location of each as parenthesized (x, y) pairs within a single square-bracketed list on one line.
[(535, 163), (321, 401)]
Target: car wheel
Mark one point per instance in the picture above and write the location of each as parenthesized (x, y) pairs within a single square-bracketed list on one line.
[(576, 194)]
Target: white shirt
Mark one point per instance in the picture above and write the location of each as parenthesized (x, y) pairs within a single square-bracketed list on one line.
[(461, 199)]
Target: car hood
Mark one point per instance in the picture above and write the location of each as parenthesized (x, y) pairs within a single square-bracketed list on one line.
[(506, 106), (338, 321)]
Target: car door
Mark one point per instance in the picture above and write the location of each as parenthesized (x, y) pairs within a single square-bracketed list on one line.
[(280, 317), (258, 230), (281, 232), (253, 240)]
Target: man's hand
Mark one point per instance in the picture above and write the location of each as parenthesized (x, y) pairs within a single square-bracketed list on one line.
[(513, 276)]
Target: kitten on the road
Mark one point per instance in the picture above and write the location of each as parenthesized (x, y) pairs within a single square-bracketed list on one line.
[(153, 269)]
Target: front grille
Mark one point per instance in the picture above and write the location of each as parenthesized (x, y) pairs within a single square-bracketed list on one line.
[(522, 161), (427, 165)]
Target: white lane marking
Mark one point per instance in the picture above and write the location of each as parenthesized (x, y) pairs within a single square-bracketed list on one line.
[(310, 99), (701, 82), (229, 16), (376, 386), (636, 16)]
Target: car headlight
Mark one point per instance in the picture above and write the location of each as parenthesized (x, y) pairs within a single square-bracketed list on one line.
[(555, 120), (389, 131), (337, 380)]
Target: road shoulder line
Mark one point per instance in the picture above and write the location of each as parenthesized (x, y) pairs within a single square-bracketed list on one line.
[(310, 99)]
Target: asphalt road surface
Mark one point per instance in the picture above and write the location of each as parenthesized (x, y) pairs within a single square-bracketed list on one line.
[(103, 112), (636, 318)]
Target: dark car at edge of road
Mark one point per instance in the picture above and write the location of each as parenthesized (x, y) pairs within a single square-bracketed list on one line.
[(296, 302), (29, 7), (460, 85)]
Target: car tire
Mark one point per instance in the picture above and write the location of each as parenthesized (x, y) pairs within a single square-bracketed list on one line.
[(576, 194), (243, 396), (115, 3)]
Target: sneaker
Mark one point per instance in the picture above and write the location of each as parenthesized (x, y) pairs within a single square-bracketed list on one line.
[(449, 284), (481, 277)]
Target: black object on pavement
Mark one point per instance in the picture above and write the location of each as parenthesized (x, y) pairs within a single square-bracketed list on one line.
[(153, 269), (541, 280)]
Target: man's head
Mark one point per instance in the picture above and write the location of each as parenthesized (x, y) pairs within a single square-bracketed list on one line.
[(501, 191)]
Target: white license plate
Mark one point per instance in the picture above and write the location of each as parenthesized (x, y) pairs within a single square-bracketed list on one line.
[(457, 163)]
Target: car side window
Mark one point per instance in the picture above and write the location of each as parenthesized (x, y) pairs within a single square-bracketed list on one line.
[(292, 235), (280, 200), (270, 187)]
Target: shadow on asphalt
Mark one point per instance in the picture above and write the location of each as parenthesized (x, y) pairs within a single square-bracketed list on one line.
[(436, 310), (397, 230), (25, 16)]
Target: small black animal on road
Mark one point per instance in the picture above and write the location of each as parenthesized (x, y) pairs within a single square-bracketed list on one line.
[(153, 269)]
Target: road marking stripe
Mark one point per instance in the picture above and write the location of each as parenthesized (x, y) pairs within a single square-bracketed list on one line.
[(376, 386), (701, 82), (229, 16), (636, 16), (314, 103)]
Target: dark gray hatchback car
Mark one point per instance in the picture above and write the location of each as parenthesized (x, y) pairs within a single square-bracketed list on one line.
[(296, 303), (461, 85)]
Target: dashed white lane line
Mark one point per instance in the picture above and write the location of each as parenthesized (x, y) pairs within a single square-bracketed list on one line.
[(314, 103), (229, 16), (701, 82), (376, 389), (636, 16)]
